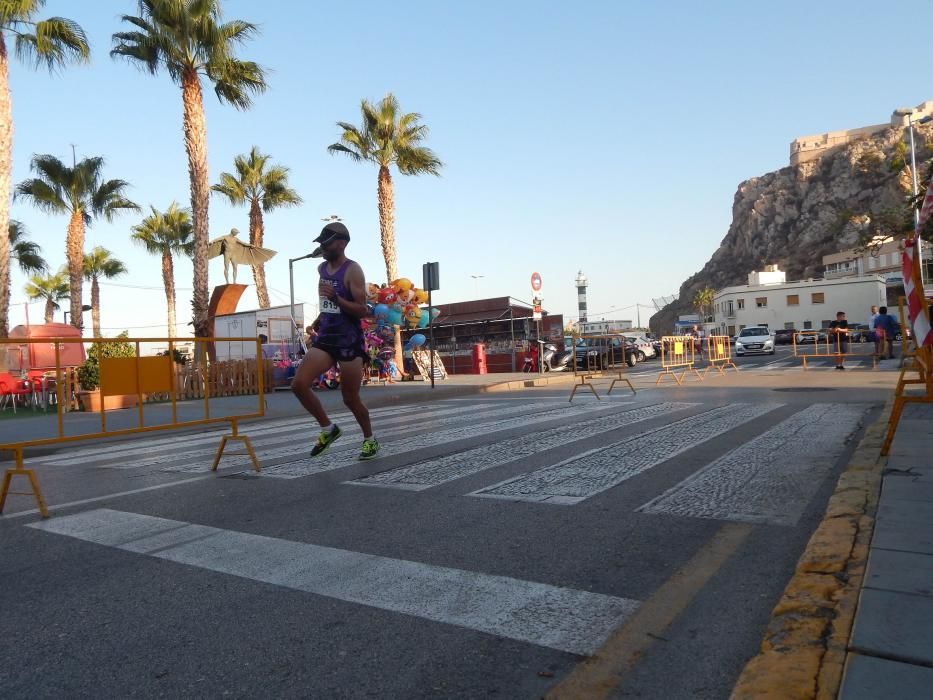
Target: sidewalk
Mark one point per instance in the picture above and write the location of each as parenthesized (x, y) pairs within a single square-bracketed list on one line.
[(890, 652)]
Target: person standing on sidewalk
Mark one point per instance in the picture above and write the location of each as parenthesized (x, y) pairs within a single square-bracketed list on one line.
[(872, 315), (886, 329), (342, 291), (839, 334)]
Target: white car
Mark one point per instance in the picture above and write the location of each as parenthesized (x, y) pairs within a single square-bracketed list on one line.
[(643, 346), (754, 339)]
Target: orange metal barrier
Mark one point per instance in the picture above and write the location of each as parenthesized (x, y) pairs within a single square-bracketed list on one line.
[(134, 377), (598, 356), (829, 345), (678, 352), (719, 354)]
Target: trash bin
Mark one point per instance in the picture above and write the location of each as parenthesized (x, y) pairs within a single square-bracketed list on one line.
[(479, 359)]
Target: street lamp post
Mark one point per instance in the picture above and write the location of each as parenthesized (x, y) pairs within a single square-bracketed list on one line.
[(84, 307), (291, 293), (906, 112), (476, 279)]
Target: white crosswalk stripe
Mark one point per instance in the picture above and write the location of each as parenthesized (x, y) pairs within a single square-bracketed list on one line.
[(344, 454), (565, 619), (127, 458), (585, 475), (433, 472), (770, 478)]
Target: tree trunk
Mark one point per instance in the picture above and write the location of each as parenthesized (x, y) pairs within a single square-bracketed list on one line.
[(386, 196), (255, 238), (49, 309), (95, 306), (6, 171), (195, 128), (74, 252), (168, 280)]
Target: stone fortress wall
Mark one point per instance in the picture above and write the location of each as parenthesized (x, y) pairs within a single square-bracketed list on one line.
[(806, 148)]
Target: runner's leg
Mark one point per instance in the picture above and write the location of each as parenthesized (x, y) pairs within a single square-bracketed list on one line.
[(315, 363), (351, 377)]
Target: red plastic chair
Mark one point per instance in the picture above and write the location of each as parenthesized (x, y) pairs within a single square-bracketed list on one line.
[(10, 390)]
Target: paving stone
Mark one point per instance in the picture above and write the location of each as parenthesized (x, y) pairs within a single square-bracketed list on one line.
[(907, 489), (899, 510), (903, 535), (870, 678), (906, 572), (894, 625)]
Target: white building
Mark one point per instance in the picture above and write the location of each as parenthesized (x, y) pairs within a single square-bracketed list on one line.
[(804, 305)]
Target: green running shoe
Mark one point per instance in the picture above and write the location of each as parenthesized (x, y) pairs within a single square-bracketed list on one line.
[(324, 440), (370, 449)]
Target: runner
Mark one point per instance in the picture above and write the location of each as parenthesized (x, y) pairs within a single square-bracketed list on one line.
[(339, 339)]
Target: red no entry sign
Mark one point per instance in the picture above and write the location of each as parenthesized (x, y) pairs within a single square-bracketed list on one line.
[(535, 282)]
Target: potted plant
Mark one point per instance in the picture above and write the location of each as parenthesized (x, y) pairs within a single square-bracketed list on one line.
[(89, 376)]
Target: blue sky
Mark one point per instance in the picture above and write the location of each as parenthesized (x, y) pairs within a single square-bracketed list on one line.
[(607, 137)]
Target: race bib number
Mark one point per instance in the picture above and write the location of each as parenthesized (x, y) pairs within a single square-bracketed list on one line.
[(329, 306)]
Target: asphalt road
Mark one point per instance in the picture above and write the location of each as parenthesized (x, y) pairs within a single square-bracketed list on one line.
[(499, 542)]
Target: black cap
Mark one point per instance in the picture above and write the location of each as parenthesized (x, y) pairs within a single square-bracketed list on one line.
[(333, 231)]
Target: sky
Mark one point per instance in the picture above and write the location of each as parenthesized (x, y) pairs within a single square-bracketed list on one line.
[(602, 137)]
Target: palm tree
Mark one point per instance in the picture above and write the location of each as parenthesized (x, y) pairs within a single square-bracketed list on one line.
[(80, 192), (97, 264), (166, 234), (188, 39), (263, 188), (388, 137), (703, 302), (53, 42), (52, 288)]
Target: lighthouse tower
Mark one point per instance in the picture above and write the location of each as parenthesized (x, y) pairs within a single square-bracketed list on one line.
[(581, 295)]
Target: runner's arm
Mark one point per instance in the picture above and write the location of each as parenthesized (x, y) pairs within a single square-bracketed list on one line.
[(356, 283)]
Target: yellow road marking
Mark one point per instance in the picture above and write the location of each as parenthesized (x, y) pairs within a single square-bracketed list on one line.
[(599, 675)]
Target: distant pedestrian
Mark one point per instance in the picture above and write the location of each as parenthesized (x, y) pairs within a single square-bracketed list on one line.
[(839, 336), (872, 315), (885, 330)]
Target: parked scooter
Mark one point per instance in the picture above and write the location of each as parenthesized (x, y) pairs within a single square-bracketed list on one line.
[(556, 360)]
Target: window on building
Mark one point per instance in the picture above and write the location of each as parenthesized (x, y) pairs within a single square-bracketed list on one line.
[(741, 303), (817, 298), (730, 309), (808, 325), (793, 300), (761, 302), (788, 326), (872, 262), (731, 330)]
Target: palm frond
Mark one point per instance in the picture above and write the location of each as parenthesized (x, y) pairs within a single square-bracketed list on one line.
[(44, 197), (236, 81), (27, 254), (56, 42), (231, 188)]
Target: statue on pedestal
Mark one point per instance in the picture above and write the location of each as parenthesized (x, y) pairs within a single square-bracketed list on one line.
[(236, 252)]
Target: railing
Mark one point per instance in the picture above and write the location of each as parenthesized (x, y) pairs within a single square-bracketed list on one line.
[(597, 356)]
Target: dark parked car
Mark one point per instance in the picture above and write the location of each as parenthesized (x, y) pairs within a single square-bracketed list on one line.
[(605, 352), (784, 336)]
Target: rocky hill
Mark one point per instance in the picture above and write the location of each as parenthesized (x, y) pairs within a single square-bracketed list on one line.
[(795, 215)]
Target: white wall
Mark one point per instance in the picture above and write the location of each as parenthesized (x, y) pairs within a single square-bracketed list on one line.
[(854, 296)]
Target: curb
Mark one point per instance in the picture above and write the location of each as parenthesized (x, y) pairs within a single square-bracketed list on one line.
[(804, 648)]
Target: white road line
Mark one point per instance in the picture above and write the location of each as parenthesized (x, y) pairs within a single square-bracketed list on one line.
[(597, 470), (433, 472), (565, 619), (771, 478)]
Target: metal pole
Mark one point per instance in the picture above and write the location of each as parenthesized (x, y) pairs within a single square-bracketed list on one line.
[(291, 298), (913, 175), (431, 332), (512, 332)]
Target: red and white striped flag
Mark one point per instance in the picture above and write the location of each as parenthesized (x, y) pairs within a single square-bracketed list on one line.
[(917, 310)]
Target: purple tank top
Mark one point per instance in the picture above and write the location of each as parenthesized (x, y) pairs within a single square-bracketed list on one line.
[(337, 327)]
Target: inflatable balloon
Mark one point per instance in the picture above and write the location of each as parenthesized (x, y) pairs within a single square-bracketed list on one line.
[(421, 296), (372, 292), (387, 295), (412, 314), (435, 312), (395, 316), (424, 320), (417, 340), (380, 311), (406, 297), (402, 284)]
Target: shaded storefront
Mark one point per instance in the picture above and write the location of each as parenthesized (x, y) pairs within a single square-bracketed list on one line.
[(504, 325)]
